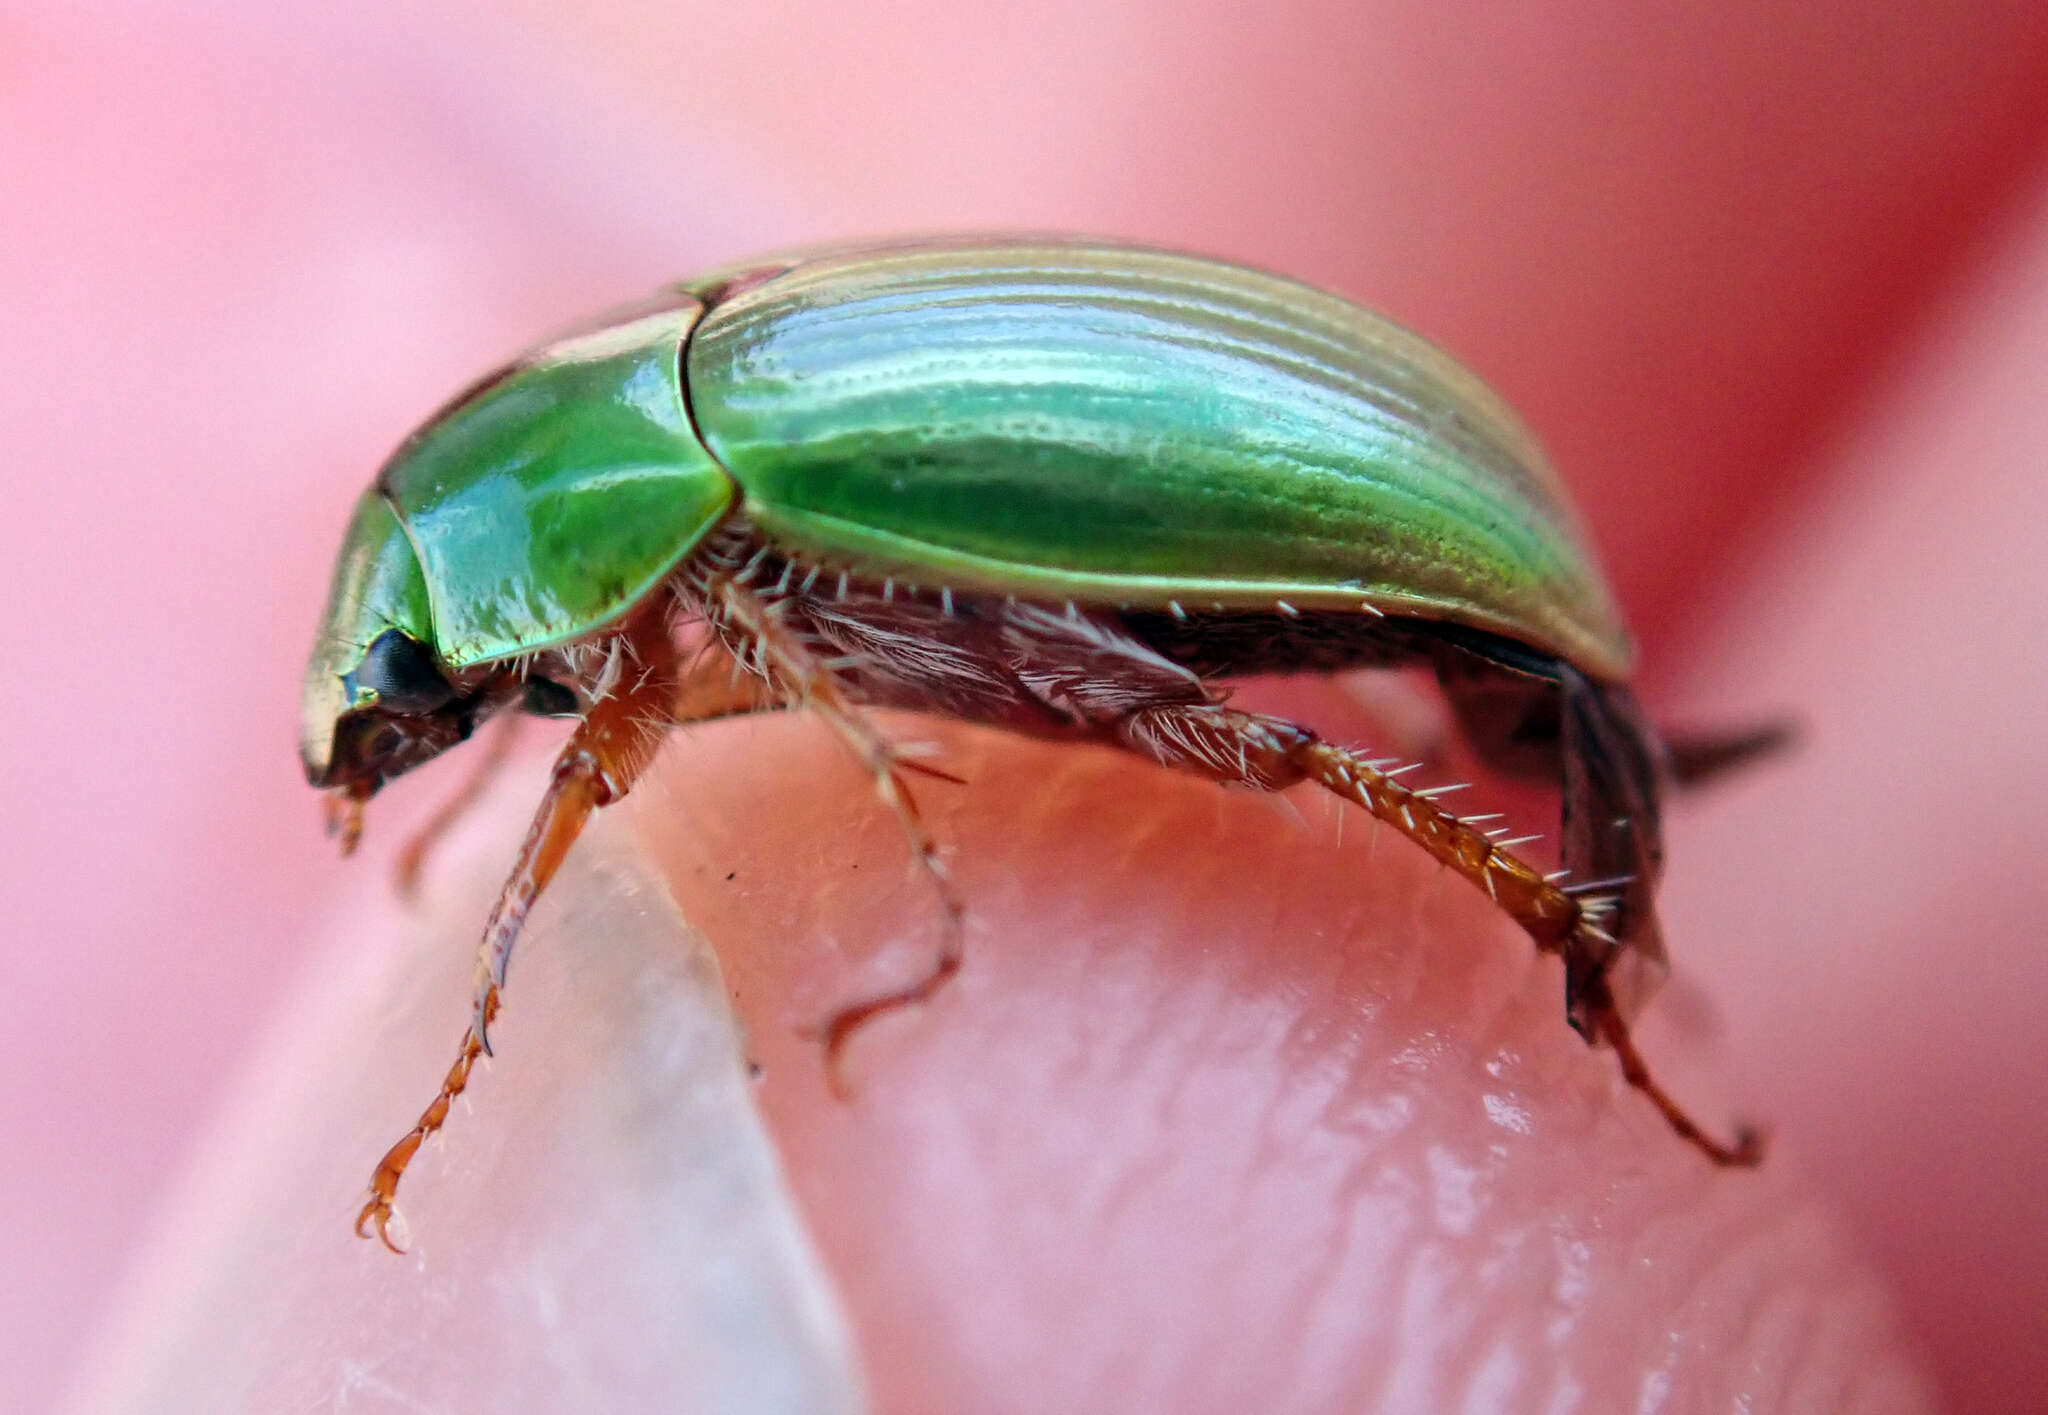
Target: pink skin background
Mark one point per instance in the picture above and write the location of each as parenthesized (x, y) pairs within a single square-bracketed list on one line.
[(1772, 285)]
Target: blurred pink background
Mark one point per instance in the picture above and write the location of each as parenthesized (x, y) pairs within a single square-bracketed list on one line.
[(1771, 283)]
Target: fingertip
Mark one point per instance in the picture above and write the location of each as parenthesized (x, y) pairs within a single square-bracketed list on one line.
[(1197, 1072)]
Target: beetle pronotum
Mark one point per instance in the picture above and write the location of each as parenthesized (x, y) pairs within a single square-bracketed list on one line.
[(1056, 486)]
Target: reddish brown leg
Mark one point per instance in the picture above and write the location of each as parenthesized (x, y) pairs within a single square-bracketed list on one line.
[(1748, 1150), (405, 872), (345, 819), (1271, 754), (786, 660), (604, 756)]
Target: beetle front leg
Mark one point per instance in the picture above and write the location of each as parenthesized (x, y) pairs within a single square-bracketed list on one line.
[(605, 755), (1271, 754)]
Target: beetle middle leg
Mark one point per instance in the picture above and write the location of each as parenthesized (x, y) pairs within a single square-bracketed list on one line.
[(763, 639), (1271, 754)]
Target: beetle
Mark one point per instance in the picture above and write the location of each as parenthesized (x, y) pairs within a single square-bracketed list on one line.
[(1059, 486)]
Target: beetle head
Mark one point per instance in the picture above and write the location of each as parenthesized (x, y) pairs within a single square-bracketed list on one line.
[(377, 702)]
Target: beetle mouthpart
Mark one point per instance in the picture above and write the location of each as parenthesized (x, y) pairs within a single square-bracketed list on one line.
[(373, 745), (345, 818)]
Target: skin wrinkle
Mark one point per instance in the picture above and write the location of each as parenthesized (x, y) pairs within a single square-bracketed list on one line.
[(1307, 1293)]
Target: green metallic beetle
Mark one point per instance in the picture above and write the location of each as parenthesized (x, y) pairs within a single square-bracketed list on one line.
[(1057, 486)]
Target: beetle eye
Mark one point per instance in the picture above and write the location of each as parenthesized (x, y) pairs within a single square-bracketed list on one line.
[(402, 673), (543, 697)]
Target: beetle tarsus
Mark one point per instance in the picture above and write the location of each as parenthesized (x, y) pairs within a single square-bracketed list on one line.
[(384, 1180), (1746, 1151), (773, 648), (840, 1028), (379, 1210)]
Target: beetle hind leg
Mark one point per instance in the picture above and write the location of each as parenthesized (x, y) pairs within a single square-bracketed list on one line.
[(1271, 754)]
